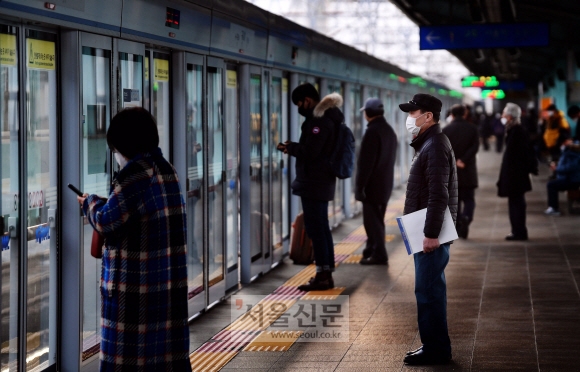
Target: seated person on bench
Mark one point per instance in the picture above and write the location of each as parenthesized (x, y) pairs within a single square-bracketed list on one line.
[(567, 176)]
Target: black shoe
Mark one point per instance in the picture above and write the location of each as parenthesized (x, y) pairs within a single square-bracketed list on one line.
[(516, 237), (463, 227), (414, 351), (321, 282), (367, 252), (423, 358), (373, 261)]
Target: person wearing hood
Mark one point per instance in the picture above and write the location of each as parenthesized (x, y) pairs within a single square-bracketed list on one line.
[(432, 184), (556, 131), (315, 183)]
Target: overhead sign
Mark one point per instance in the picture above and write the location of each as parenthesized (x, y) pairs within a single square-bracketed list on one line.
[(492, 93), (495, 35), (479, 82)]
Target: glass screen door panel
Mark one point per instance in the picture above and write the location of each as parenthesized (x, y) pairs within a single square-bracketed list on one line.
[(231, 127), (131, 80), (9, 190), (195, 160), (275, 133), (356, 125), (266, 169), (256, 166), (41, 176), (215, 174), (285, 135), (95, 179), (160, 107)]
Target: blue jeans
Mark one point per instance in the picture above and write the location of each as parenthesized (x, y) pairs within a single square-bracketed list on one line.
[(318, 230), (431, 294)]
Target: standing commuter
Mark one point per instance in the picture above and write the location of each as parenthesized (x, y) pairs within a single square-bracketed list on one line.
[(432, 184), (374, 179), (518, 161), (315, 183), (144, 276), (465, 143)]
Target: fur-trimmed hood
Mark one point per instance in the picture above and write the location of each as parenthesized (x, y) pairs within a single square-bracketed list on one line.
[(330, 101)]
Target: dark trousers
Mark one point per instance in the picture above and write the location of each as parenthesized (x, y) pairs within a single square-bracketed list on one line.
[(374, 223), (318, 230), (499, 142), (554, 186), (466, 202), (431, 295), (517, 211)]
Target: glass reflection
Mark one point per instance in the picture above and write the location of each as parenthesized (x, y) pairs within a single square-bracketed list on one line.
[(131, 77), (95, 179), (255, 166), (275, 128), (195, 159), (160, 106), (285, 183), (231, 117)]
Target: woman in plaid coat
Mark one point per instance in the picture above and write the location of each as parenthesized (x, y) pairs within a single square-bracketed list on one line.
[(144, 275)]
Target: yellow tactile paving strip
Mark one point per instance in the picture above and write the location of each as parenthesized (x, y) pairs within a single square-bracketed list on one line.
[(270, 341), (215, 354), (330, 294)]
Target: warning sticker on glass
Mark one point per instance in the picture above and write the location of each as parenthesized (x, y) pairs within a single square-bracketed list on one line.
[(40, 54)]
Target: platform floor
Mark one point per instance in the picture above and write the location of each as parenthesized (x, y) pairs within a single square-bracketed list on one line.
[(511, 305)]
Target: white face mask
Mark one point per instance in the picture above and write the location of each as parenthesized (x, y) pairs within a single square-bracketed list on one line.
[(121, 160), (411, 127), (550, 113), (504, 121)]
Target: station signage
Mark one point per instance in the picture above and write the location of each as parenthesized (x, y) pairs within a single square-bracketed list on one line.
[(492, 93), (479, 82), (496, 35)]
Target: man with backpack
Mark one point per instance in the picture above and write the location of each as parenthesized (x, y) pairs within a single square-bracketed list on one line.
[(374, 179), (315, 180)]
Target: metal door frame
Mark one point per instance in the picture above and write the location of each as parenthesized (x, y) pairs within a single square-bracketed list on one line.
[(276, 255)]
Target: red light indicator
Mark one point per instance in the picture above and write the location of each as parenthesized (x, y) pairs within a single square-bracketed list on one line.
[(50, 6)]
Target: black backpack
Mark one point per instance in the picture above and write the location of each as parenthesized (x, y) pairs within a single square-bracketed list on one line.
[(342, 156)]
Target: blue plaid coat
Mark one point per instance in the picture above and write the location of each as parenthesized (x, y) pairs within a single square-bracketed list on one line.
[(144, 274)]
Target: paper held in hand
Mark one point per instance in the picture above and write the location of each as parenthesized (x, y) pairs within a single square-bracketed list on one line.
[(412, 225)]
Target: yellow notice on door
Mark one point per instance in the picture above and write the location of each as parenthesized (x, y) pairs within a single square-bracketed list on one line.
[(146, 68), (8, 50), (284, 85), (161, 69), (232, 79), (40, 54)]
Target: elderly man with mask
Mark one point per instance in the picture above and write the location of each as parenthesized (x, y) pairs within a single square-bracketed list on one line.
[(518, 161), (432, 184)]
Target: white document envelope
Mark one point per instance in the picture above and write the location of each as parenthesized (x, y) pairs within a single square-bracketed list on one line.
[(412, 225)]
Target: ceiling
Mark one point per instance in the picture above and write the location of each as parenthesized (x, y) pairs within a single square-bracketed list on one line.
[(528, 64)]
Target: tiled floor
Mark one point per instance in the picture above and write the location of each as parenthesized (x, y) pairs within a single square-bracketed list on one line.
[(511, 305)]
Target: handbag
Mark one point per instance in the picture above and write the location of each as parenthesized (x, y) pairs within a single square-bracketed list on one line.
[(97, 243)]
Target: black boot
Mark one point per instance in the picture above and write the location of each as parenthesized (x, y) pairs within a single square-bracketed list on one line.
[(321, 282), (463, 227)]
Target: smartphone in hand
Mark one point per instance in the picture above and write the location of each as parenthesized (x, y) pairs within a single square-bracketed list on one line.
[(77, 191), (281, 147)]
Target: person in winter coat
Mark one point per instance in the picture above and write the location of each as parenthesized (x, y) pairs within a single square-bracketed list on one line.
[(464, 140), (315, 183), (556, 131), (514, 180), (144, 274), (567, 176), (432, 184), (374, 179)]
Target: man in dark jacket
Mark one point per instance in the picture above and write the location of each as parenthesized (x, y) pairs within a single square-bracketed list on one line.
[(432, 184), (518, 161), (374, 179), (315, 183), (465, 143)]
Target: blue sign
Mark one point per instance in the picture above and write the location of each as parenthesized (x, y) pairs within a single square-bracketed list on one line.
[(496, 35)]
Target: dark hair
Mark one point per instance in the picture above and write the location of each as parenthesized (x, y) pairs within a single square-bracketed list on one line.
[(133, 131), (436, 115), (304, 90), (376, 112), (457, 111), (573, 111)]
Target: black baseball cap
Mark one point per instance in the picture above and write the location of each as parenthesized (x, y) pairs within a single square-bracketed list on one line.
[(425, 102)]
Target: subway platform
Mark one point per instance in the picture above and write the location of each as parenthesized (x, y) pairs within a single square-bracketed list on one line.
[(511, 305)]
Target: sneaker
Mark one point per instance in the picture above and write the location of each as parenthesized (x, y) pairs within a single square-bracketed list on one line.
[(551, 212)]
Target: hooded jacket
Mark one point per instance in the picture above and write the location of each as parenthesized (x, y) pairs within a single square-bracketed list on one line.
[(432, 180), (314, 178)]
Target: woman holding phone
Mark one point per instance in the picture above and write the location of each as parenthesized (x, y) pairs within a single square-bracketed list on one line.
[(144, 276)]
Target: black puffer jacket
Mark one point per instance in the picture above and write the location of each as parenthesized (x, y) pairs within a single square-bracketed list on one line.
[(314, 179), (432, 181)]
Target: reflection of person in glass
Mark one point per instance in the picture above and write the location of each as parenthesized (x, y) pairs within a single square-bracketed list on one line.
[(144, 277), (194, 193)]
